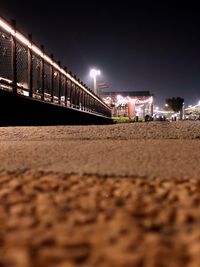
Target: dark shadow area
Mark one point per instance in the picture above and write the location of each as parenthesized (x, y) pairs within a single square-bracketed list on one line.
[(17, 110)]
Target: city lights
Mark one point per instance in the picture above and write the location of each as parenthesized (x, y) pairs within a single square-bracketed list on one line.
[(122, 101)]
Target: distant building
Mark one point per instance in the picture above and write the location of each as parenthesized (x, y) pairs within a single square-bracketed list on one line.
[(129, 103)]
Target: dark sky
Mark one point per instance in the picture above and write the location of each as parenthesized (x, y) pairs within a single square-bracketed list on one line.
[(138, 46)]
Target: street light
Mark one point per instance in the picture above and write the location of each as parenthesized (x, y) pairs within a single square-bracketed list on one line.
[(94, 73)]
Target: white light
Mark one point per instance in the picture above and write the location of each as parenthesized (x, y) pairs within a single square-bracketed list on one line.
[(94, 73), (37, 51), (63, 71), (25, 93), (56, 66), (23, 85), (48, 59), (6, 80), (6, 27), (22, 39), (121, 100), (145, 101), (157, 108)]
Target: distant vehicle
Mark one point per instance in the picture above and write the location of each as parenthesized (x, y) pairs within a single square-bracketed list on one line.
[(159, 117)]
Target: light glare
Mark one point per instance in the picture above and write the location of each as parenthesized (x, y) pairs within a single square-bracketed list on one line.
[(36, 50), (6, 27), (22, 39), (94, 73)]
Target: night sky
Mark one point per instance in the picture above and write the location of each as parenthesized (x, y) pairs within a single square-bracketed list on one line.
[(143, 46)]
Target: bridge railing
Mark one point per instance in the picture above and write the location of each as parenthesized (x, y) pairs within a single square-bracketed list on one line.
[(27, 70)]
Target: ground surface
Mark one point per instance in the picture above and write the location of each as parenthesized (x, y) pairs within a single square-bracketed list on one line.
[(119, 195)]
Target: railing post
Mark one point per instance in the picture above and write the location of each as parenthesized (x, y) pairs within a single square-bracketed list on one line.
[(88, 103), (71, 91), (14, 58), (75, 93), (66, 87), (52, 80), (30, 68), (88, 100), (42, 67), (59, 84), (84, 98), (78, 94), (81, 97)]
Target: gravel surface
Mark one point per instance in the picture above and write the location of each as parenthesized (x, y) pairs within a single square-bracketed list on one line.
[(138, 149), (129, 131), (65, 221), (125, 195)]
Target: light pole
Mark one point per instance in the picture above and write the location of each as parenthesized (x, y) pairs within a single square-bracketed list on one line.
[(94, 73)]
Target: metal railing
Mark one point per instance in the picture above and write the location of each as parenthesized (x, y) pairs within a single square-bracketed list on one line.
[(27, 70)]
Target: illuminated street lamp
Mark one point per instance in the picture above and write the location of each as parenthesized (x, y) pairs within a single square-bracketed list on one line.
[(94, 73)]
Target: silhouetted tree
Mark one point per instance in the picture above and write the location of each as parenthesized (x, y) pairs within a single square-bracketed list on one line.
[(175, 103)]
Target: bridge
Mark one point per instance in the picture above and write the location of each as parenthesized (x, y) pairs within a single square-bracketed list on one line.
[(35, 89)]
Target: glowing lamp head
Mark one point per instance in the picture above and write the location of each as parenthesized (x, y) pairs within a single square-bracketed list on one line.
[(94, 73)]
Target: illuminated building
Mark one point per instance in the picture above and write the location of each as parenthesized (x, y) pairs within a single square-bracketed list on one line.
[(129, 103)]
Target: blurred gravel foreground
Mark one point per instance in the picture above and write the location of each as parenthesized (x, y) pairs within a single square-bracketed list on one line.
[(125, 195)]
